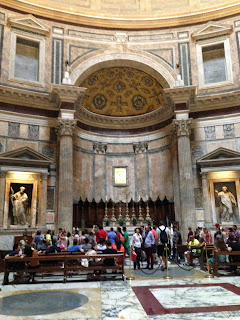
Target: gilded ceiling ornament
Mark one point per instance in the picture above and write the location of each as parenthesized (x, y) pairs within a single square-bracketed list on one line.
[(122, 91)]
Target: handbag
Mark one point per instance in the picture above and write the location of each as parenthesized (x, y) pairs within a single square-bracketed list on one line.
[(133, 256)]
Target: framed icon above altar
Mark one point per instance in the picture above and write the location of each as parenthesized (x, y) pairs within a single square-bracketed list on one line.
[(120, 176)]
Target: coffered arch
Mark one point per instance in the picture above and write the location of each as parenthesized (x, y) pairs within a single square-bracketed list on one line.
[(141, 61)]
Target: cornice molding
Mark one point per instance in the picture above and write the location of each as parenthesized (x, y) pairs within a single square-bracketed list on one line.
[(216, 101), (145, 120), (50, 101), (66, 93), (125, 23), (26, 97)]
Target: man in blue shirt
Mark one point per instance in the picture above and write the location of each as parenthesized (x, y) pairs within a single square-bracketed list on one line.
[(75, 247), (112, 236), (148, 244)]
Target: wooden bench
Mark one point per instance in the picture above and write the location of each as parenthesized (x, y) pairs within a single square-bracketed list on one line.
[(201, 256), (63, 264), (217, 264)]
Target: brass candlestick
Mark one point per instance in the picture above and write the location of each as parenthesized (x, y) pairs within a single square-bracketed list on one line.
[(140, 217), (127, 218), (113, 218)]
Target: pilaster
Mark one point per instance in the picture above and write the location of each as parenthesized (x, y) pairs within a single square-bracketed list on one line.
[(2, 194), (68, 99), (181, 99), (43, 205)]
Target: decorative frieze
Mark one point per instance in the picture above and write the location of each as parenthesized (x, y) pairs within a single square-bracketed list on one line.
[(13, 129), (121, 37), (140, 147), (228, 130), (48, 151), (182, 127), (33, 132), (99, 147), (66, 127), (210, 133)]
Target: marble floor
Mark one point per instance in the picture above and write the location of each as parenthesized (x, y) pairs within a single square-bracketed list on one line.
[(189, 295)]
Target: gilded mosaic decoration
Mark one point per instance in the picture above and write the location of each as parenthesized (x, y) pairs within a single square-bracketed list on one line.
[(121, 91)]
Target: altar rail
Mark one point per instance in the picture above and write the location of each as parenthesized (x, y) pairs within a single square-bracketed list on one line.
[(87, 213)]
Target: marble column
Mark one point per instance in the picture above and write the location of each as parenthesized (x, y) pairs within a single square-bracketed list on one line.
[(206, 199), (43, 207), (2, 195), (65, 130), (175, 171), (188, 212)]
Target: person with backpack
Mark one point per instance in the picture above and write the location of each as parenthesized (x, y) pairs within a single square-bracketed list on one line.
[(163, 237)]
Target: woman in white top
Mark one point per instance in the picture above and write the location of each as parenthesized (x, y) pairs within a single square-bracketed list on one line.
[(136, 244)]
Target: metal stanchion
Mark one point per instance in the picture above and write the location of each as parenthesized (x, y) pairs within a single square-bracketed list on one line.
[(209, 275), (167, 276), (130, 277)]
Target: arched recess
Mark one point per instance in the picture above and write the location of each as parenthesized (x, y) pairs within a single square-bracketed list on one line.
[(157, 69)]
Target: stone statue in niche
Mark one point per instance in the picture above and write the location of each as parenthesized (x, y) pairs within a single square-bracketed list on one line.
[(227, 200), (19, 202)]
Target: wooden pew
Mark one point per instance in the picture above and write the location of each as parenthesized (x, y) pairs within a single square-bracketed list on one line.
[(217, 264), (60, 263)]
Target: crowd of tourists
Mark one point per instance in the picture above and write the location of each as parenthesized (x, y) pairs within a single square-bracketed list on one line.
[(155, 244), (223, 239)]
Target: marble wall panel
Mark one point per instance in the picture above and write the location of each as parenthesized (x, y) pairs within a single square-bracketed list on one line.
[(3, 128), (211, 146), (49, 217), (237, 129), (83, 182), (160, 169), (117, 193), (159, 143), (23, 131), (2, 144), (84, 144), (99, 177), (6, 242), (199, 134), (119, 148), (44, 133), (219, 132), (16, 144)]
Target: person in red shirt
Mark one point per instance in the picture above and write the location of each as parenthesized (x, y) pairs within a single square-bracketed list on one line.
[(119, 233), (100, 233)]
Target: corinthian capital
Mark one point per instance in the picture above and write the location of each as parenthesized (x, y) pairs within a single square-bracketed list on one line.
[(182, 126), (66, 127)]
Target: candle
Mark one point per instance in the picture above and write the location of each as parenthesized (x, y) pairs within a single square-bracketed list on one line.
[(139, 198), (106, 198)]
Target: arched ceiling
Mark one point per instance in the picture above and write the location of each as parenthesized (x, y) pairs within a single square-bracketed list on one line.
[(121, 92), (128, 14)]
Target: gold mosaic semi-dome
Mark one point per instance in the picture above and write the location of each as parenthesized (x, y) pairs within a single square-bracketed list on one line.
[(121, 91), (128, 14)]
